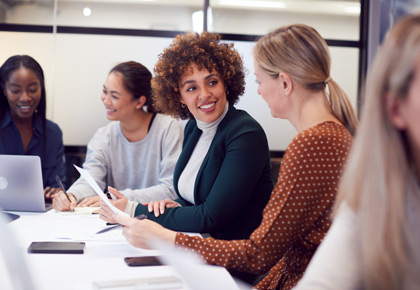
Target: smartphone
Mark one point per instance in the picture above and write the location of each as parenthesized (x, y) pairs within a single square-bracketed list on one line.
[(142, 261)]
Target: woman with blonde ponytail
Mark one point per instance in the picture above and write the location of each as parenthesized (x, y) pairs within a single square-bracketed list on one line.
[(374, 240), (300, 51), (292, 68)]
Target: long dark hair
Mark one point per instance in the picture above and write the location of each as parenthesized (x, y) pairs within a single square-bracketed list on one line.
[(136, 79), (9, 66)]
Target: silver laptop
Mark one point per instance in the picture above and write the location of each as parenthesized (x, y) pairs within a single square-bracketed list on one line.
[(21, 187)]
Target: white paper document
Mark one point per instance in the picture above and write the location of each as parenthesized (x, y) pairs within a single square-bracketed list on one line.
[(96, 188), (81, 211)]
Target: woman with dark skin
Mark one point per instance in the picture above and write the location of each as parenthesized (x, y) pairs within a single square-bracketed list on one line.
[(24, 128), (222, 178)]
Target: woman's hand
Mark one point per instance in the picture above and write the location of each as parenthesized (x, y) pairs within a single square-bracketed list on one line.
[(50, 191), (105, 212), (90, 201), (138, 232), (158, 207), (61, 203), (121, 201)]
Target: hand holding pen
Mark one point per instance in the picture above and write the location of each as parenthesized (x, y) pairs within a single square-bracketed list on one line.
[(60, 184), (63, 202)]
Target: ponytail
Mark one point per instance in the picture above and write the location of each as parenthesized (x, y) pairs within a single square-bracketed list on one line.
[(341, 107), (300, 51)]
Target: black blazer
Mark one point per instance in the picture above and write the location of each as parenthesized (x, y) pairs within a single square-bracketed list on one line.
[(233, 183)]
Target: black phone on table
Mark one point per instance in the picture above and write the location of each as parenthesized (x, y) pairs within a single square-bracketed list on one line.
[(142, 261)]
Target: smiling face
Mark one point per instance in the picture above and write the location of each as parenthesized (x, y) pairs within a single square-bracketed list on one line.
[(23, 92), (203, 92), (117, 99)]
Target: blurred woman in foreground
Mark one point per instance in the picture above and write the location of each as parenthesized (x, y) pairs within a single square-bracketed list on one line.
[(373, 242)]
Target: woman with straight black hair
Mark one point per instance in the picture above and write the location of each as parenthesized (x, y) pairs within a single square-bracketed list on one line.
[(24, 128), (136, 152)]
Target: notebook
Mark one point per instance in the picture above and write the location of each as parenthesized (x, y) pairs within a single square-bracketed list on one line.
[(21, 187)]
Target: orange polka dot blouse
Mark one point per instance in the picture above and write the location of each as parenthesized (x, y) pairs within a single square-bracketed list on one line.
[(297, 216)]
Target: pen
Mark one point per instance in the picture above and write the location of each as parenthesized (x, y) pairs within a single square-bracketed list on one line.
[(139, 217), (60, 184)]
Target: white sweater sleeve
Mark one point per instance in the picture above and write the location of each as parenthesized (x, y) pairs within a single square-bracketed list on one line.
[(337, 262), (96, 164), (130, 208)]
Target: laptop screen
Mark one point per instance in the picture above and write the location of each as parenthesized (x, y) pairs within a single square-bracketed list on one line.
[(21, 186)]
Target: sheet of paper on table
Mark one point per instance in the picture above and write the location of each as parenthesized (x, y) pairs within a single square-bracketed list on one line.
[(81, 211), (86, 175)]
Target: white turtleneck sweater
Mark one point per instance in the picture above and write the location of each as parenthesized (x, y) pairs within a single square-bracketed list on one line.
[(188, 176)]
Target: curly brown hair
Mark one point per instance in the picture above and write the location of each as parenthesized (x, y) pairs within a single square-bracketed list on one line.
[(205, 51)]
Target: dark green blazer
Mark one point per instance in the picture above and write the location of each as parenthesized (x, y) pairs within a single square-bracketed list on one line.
[(233, 183)]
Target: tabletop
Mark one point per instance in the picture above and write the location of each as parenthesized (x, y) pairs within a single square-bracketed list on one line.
[(103, 258)]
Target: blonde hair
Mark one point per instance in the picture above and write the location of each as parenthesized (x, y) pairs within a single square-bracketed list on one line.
[(303, 54), (379, 176)]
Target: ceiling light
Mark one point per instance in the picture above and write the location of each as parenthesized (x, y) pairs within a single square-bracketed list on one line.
[(352, 9), (250, 3), (87, 11)]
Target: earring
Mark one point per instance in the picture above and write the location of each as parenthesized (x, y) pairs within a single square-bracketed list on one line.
[(227, 92), (182, 105)]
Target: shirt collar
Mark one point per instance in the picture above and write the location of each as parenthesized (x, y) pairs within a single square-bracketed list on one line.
[(37, 122), (7, 120)]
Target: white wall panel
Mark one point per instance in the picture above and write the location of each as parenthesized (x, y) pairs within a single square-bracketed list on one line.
[(82, 62)]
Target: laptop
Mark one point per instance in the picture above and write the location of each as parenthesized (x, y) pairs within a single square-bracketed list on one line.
[(21, 186)]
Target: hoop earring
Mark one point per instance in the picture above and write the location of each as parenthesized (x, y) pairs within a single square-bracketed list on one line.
[(182, 105)]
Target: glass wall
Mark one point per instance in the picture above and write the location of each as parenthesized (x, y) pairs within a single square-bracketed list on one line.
[(77, 43), (333, 19)]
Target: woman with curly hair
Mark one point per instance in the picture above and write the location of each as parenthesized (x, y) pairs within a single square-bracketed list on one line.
[(292, 67), (223, 176)]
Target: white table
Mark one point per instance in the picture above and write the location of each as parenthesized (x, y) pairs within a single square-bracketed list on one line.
[(102, 260)]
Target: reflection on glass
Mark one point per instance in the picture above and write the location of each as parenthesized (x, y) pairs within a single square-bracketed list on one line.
[(131, 14), (333, 19)]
